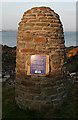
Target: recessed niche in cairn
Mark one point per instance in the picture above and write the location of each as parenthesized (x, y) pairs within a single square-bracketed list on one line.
[(40, 60)]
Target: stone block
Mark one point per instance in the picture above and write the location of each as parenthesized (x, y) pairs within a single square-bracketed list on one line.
[(39, 39), (52, 97), (28, 50), (28, 83), (34, 90), (35, 105), (40, 14), (42, 24), (27, 37), (30, 24), (48, 91), (46, 107)]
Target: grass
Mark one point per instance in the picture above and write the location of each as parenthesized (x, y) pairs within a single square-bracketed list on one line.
[(12, 111), (0, 100)]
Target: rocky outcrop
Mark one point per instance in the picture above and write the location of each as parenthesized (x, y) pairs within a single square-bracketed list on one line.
[(71, 51), (72, 59), (8, 60)]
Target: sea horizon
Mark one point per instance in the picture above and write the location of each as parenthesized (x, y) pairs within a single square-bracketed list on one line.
[(5, 30), (9, 38)]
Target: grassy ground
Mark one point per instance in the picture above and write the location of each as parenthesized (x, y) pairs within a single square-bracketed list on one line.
[(0, 100), (11, 110)]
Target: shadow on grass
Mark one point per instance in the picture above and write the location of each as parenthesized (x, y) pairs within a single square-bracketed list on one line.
[(12, 111)]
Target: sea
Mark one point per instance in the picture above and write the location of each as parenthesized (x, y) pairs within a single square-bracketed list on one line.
[(9, 38)]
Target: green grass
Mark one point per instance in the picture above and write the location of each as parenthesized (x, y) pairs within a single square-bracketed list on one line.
[(11, 110), (0, 100)]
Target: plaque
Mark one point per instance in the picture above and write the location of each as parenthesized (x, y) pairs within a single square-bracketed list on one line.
[(39, 65)]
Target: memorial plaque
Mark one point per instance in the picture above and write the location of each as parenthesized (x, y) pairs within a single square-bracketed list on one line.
[(38, 64)]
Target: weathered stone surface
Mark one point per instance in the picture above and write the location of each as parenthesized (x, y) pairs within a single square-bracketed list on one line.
[(39, 39), (40, 32)]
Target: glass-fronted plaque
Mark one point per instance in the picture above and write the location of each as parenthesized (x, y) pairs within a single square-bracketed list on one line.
[(38, 64)]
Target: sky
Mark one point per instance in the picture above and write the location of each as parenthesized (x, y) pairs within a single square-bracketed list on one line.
[(12, 12)]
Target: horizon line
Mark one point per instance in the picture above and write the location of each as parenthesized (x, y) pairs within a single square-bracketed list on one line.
[(5, 30)]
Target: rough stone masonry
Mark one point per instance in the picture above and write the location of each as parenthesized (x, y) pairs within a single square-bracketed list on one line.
[(40, 32)]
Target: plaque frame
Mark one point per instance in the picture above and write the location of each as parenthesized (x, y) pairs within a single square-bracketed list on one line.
[(47, 66)]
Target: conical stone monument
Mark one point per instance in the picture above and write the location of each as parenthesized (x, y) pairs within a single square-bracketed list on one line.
[(39, 60)]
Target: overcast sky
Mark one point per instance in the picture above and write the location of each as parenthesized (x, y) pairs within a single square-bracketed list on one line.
[(13, 11)]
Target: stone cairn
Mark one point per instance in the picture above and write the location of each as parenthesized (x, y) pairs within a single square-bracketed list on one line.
[(40, 32)]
